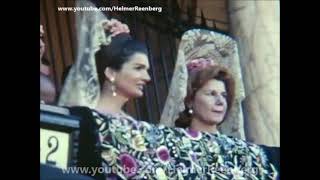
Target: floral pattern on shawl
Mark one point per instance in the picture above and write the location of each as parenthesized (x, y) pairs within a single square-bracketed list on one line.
[(139, 150)]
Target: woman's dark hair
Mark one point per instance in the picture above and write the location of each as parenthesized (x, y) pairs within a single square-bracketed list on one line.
[(118, 52), (197, 80), (45, 61), (65, 74)]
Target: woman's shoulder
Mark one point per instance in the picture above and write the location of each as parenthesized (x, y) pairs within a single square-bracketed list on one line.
[(244, 145), (83, 112), (86, 114), (87, 111), (79, 109)]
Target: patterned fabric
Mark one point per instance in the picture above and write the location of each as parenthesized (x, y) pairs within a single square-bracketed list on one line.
[(199, 43), (137, 150)]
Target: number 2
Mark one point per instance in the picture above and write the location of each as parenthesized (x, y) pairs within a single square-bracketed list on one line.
[(54, 149)]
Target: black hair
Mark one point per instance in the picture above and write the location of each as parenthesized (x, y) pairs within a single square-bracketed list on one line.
[(118, 52), (45, 61), (65, 74)]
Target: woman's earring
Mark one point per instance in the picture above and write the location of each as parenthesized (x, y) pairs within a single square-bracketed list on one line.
[(190, 111), (113, 87)]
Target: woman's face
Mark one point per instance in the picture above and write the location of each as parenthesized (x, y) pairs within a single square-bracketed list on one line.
[(133, 76), (210, 103)]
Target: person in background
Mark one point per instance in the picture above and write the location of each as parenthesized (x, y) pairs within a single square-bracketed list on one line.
[(47, 87)]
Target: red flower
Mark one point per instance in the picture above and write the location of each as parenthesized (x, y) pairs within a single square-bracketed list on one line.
[(129, 164), (163, 154)]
